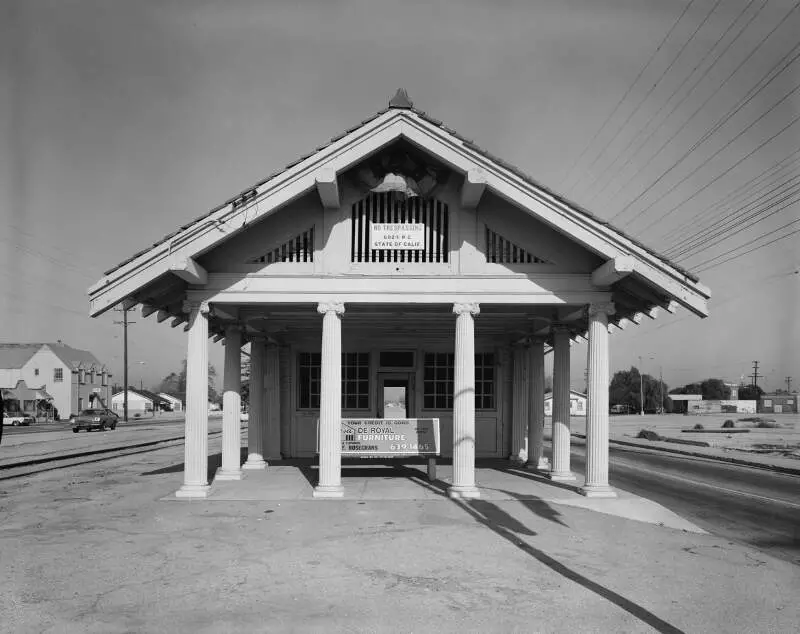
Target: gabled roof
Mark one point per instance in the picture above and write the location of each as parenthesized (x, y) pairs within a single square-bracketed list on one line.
[(16, 355), (151, 396), (400, 120)]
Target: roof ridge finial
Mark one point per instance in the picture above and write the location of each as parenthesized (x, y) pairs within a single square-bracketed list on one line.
[(401, 100)]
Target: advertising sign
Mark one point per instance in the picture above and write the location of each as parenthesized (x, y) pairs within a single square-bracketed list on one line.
[(390, 437), (407, 236)]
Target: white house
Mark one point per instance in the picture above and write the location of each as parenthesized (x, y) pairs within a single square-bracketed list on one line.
[(140, 402), (175, 402), (398, 255), (67, 374), (577, 404)]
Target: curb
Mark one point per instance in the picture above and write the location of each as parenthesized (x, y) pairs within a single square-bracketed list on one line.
[(697, 454)]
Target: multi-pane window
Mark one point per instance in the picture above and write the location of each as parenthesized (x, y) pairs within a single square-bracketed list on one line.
[(355, 380), (58, 375), (484, 380), (36, 372), (438, 377)]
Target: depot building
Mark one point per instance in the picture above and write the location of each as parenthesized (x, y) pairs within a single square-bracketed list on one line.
[(399, 270)]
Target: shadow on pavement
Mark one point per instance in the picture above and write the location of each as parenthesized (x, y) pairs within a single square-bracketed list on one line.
[(508, 528)]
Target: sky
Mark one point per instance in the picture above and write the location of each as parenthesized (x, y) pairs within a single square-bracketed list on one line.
[(120, 121)]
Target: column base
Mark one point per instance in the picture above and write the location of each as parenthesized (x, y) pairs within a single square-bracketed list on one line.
[(542, 465), (597, 491), (198, 491), (518, 459), (255, 463), (322, 491), (562, 476), (459, 492), (228, 474)]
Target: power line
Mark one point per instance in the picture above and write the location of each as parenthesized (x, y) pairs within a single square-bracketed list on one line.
[(685, 123), (653, 87), (738, 255), (643, 144), (679, 234), (734, 226), (625, 96)]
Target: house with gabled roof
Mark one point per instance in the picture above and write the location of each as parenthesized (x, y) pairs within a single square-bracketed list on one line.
[(398, 256), (68, 375)]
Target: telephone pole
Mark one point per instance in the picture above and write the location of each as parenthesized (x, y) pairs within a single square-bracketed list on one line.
[(755, 374), (125, 324), (788, 385)]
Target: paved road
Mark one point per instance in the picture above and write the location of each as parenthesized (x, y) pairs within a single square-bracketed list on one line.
[(746, 505)]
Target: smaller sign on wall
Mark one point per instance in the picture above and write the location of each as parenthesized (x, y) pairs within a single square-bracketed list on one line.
[(406, 236)]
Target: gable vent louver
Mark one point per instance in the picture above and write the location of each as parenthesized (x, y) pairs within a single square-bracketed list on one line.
[(298, 249), (500, 250)]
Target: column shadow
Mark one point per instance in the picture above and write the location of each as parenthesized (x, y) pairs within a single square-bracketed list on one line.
[(507, 527)]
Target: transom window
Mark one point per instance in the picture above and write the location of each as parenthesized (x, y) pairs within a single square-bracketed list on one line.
[(355, 380), (438, 376)]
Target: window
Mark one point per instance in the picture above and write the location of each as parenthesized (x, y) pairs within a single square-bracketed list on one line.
[(438, 380), (36, 372), (355, 380), (767, 402), (58, 375)]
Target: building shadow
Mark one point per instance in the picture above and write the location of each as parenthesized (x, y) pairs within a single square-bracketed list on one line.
[(521, 472), (507, 527)]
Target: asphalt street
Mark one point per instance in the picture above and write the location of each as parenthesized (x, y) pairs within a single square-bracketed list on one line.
[(753, 506)]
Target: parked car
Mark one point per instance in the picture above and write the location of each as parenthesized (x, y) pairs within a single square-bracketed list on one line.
[(90, 419), (17, 418)]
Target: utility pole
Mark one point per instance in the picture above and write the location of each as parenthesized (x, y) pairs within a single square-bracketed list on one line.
[(661, 390), (125, 324), (788, 385), (755, 374), (641, 389)]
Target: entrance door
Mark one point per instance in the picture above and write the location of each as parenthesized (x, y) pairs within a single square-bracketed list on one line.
[(396, 395)]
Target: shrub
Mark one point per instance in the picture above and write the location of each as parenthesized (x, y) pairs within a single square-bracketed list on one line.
[(698, 426), (767, 424), (728, 423), (649, 435)]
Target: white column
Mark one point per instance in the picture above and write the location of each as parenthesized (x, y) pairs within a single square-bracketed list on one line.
[(255, 422), (195, 470), (330, 405), (519, 407), (561, 440), (464, 404), (272, 404), (596, 485), (536, 459), (231, 406), (285, 371)]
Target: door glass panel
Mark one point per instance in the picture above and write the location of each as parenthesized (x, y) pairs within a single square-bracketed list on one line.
[(395, 399)]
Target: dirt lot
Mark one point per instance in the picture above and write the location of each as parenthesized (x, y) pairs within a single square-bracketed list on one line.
[(782, 440)]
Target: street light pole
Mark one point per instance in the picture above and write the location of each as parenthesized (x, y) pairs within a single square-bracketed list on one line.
[(641, 389)]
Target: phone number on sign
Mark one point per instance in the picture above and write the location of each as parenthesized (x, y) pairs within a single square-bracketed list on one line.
[(412, 447)]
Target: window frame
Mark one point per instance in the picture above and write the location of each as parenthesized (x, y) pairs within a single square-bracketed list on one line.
[(58, 375)]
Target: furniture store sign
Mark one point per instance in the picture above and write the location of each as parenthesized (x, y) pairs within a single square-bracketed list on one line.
[(408, 236), (390, 437)]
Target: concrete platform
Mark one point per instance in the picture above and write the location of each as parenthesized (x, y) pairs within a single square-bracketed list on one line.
[(497, 481)]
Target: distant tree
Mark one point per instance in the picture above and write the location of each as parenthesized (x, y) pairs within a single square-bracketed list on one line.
[(714, 390), (175, 384), (750, 392), (627, 386)]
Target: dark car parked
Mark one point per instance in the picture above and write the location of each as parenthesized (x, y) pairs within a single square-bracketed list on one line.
[(90, 419)]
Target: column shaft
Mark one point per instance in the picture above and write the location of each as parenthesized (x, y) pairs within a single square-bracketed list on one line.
[(272, 404), (561, 440), (231, 406), (284, 357), (520, 402), (536, 459), (256, 420), (330, 407), (195, 474), (464, 405), (596, 484)]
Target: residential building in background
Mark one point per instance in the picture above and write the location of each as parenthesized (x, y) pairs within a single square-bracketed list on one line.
[(177, 404), (577, 404), (68, 375), (140, 402)]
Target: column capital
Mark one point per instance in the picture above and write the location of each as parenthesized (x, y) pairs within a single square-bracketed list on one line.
[(606, 308), (330, 307), (466, 307), (190, 305)]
